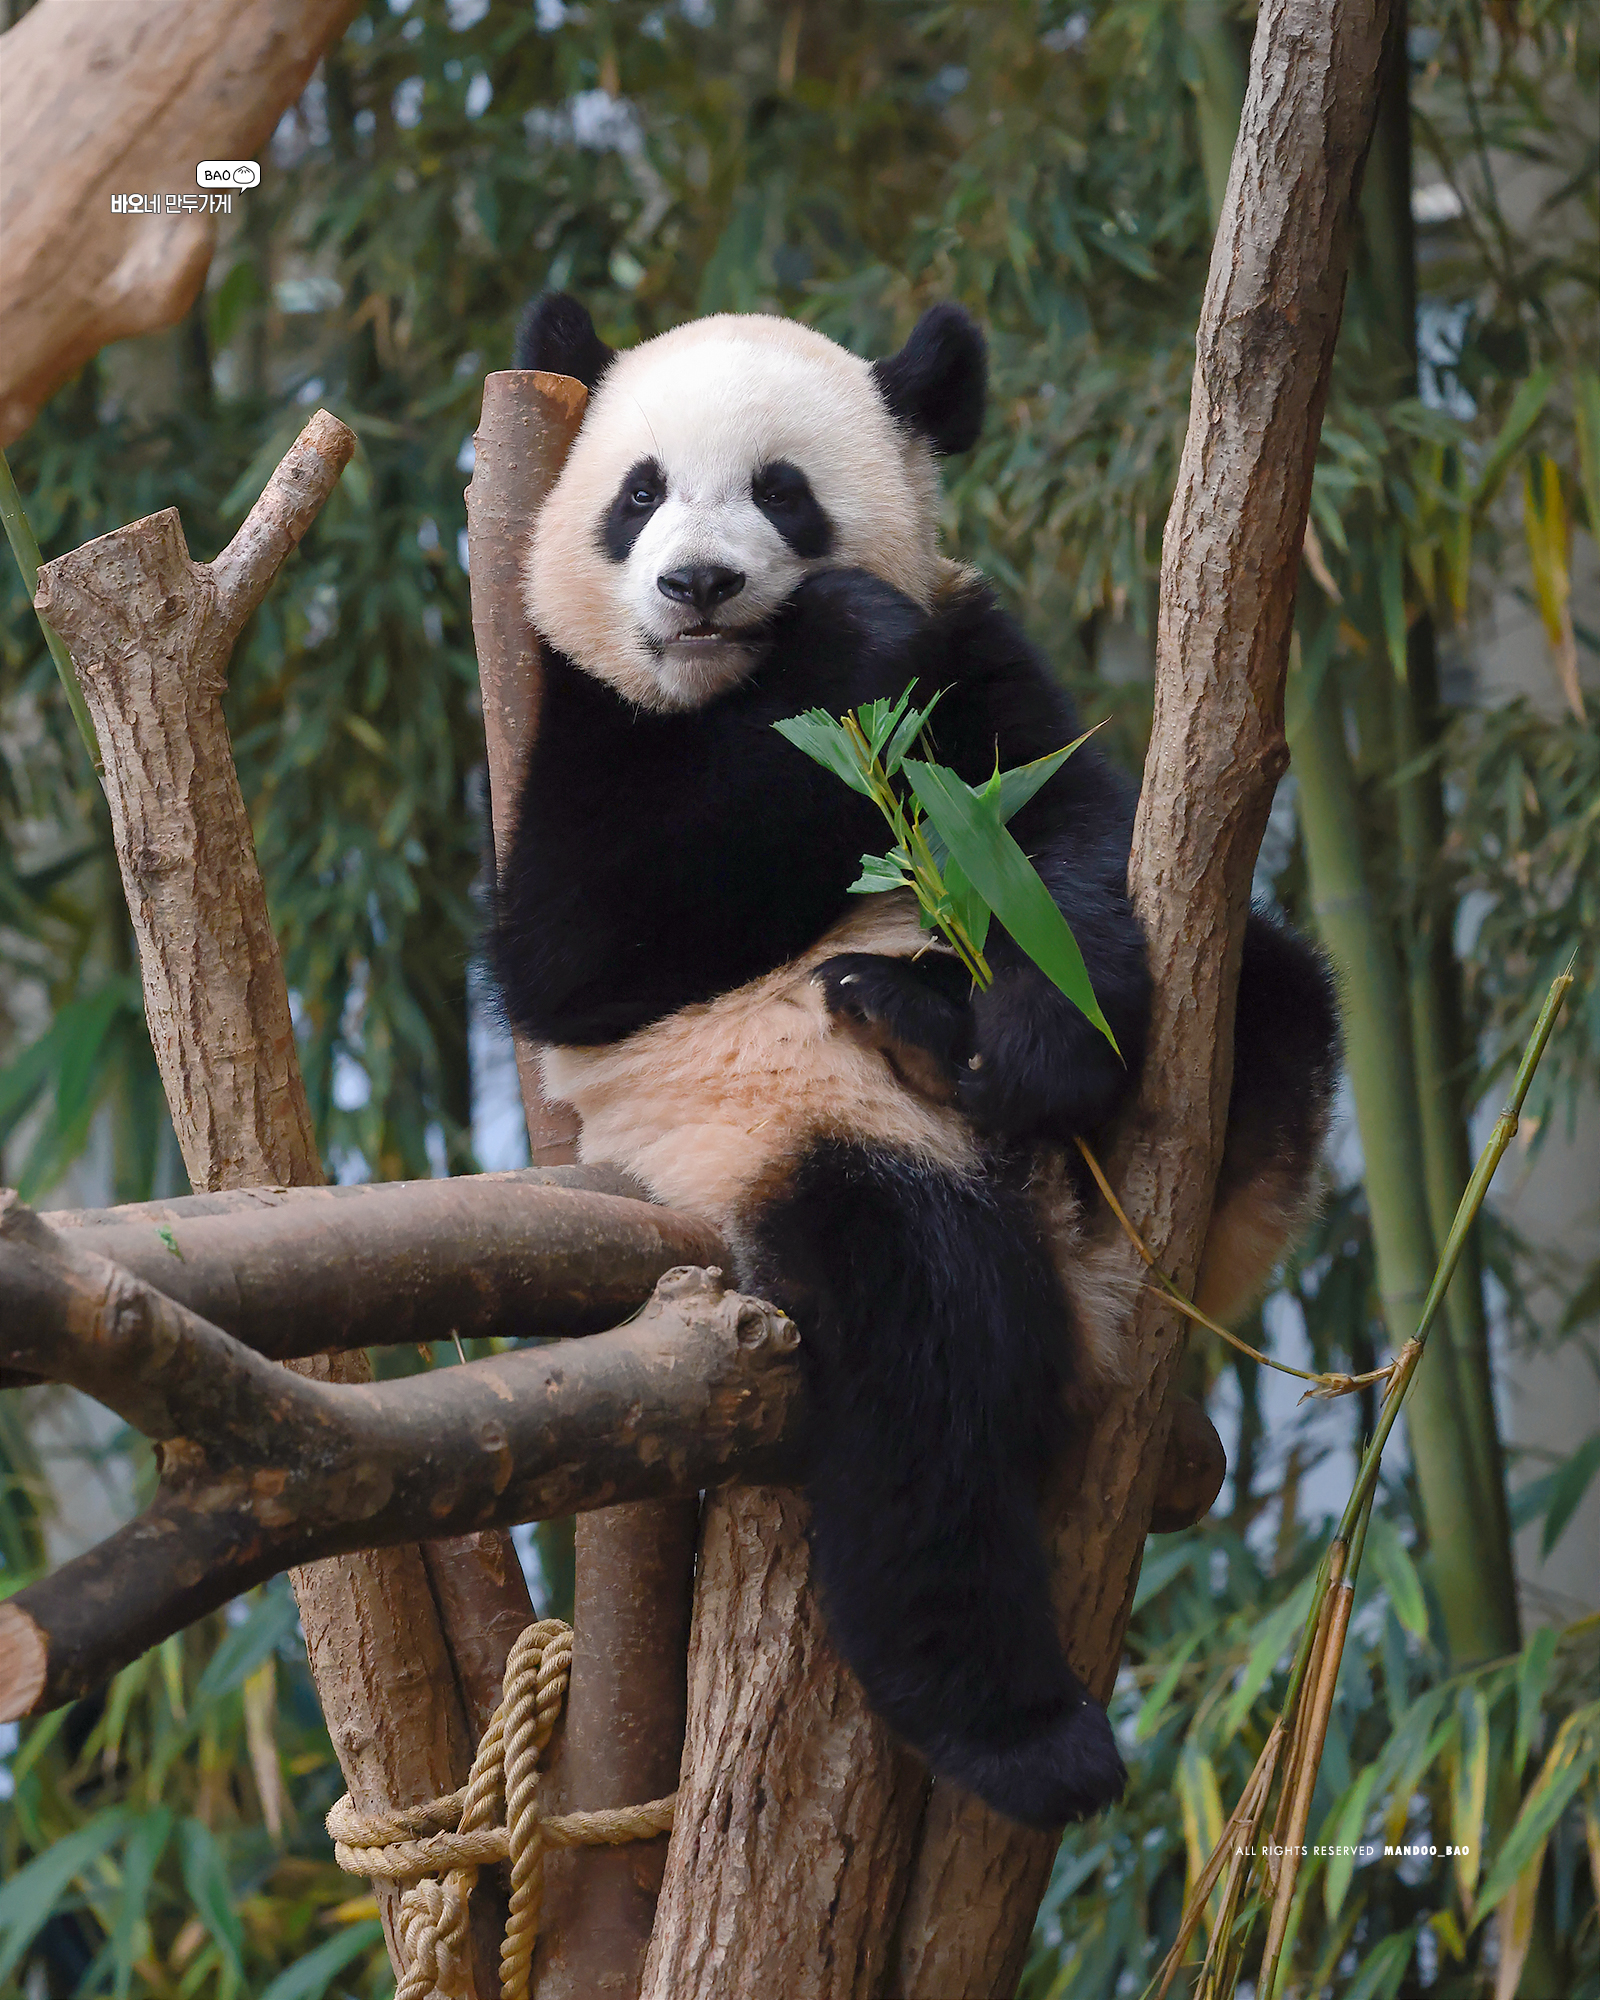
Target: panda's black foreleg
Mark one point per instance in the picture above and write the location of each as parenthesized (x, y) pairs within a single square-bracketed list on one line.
[(934, 1339)]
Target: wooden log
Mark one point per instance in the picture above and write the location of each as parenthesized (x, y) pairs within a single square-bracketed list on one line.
[(151, 633), (96, 101), (408, 1261), (625, 1704), (249, 1200), (525, 431), (1263, 358), (262, 1467)]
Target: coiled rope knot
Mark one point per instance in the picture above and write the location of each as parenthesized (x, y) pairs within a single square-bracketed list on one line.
[(439, 1847)]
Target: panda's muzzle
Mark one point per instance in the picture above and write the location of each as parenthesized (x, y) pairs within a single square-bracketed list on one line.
[(705, 586)]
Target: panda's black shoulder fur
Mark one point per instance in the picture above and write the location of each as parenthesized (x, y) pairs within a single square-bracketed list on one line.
[(727, 851)]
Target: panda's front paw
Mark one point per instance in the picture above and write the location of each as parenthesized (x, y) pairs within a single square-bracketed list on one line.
[(915, 1013), (1027, 1076), (852, 604)]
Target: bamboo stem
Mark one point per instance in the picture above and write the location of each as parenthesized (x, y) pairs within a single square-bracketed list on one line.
[(26, 550), (1377, 1055)]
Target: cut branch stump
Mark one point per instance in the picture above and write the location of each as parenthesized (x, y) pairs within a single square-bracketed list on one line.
[(623, 1734)]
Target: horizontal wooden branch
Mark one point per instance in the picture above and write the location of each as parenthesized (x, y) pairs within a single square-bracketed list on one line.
[(294, 1271), (262, 1469)]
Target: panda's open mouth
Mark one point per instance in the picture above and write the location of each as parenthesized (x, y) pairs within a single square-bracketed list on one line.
[(702, 636)]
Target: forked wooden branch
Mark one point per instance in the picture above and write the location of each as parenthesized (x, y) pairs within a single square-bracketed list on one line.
[(150, 633), (262, 1468), (1263, 357)]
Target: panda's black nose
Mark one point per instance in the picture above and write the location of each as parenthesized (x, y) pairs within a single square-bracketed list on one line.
[(705, 586)]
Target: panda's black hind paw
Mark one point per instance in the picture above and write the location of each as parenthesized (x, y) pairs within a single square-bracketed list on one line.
[(915, 1012)]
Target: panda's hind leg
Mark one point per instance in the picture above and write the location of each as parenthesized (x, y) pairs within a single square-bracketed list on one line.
[(937, 1358), (1285, 1068)]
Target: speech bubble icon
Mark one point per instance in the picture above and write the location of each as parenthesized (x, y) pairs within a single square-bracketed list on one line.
[(228, 173)]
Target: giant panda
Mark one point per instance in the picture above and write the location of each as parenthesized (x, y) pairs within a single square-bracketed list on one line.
[(746, 527)]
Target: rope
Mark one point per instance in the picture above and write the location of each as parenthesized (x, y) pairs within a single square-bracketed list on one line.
[(492, 1818)]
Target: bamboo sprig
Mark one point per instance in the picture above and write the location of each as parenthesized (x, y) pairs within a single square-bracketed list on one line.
[(1308, 1701), (1326, 1384), (923, 871), (26, 550)]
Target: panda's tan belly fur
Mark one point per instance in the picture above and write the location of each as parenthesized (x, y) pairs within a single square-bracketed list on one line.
[(705, 1105)]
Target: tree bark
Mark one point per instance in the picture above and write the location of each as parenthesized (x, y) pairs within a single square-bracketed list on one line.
[(151, 633), (96, 101), (796, 1809), (525, 431), (1263, 355)]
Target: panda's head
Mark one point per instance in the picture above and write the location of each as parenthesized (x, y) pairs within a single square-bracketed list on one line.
[(719, 464)]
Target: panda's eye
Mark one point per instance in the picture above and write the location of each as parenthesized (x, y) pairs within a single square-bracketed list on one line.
[(644, 496)]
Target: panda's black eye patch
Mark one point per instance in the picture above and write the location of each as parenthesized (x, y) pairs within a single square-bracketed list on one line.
[(642, 491), (784, 495)]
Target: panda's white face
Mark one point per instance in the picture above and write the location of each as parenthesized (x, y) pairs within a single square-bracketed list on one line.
[(716, 466)]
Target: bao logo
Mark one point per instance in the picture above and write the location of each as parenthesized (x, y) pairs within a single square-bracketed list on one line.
[(228, 174)]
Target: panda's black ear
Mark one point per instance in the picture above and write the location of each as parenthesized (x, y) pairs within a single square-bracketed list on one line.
[(937, 382), (558, 336)]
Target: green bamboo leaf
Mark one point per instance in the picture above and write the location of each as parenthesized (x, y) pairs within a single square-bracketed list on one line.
[(272, 1617), (1469, 1794), (1398, 1575), (1157, 1701), (30, 1897), (310, 1977), (1162, 1567), (147, 1842), (1516, 1923), (1567, 1488), (1587, 412), (1019, 784), (824, 739), (1383, 1969), (906, 734), (1347, 1827), (878, 718), (1008, 882), (879, 872), (1555, 1786), (1272, 1642), (1524, 413), (205, 1880), (971, 911), (1533, 1676)]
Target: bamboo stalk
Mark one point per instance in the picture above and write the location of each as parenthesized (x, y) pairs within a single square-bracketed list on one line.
[(26, 550), (1377, 1055)]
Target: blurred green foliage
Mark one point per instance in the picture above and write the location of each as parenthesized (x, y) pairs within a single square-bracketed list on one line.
[(1043, 162)]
